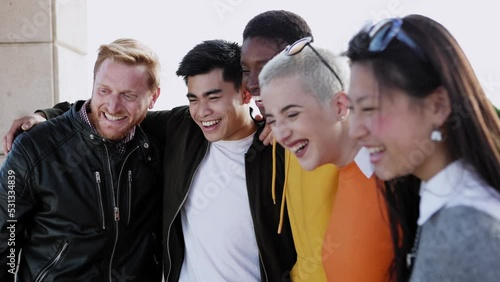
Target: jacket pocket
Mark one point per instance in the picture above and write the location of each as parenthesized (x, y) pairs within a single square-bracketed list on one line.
[(100, 199), (45, 270)]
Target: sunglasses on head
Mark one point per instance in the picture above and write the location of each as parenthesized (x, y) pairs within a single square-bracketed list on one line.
[(387, 30), (300, 44)]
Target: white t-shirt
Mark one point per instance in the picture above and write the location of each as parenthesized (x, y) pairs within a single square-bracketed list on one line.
[(216, 220)]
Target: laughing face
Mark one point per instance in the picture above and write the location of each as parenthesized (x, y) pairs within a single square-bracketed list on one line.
[(120, 98), (300, 123), (220, 110), (393, 127), (255, 53)]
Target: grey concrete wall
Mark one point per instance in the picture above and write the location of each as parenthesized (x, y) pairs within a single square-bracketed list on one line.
[(42, 55)]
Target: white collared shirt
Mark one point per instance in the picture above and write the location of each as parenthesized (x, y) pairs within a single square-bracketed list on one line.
[(457, 185)]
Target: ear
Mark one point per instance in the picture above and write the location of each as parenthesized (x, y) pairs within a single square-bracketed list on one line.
[(340, 104), (247, 97), (439, 105), (155, 96)]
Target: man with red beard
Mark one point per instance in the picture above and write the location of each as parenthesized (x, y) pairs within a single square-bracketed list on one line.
[(81, 193), (217, 177)]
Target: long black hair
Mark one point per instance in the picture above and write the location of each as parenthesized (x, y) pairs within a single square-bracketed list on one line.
[(472, 129)]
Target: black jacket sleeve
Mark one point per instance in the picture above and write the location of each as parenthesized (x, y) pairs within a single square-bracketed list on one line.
[(16, 203), (159, 124), (57, 110)]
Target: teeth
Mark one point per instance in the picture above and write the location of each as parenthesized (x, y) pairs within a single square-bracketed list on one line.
[(210, 123), (374, 150), (257, 98), (113, 118), (299, 146)]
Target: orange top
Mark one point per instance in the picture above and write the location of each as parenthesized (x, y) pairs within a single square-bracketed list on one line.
[(357, 244)]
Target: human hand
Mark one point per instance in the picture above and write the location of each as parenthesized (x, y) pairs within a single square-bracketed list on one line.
[(25, 123), (266, 136)]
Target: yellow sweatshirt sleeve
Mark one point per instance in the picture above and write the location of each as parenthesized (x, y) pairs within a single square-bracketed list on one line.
[(309, 197)]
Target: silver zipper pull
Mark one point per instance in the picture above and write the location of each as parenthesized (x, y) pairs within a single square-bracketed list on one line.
[(117, 213)]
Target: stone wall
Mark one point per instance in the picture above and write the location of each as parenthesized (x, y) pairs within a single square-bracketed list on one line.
[(42, 55)]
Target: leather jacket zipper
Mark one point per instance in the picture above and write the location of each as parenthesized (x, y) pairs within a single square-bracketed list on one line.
[(99, 196), (129, 197), (177, 212), (45, 270), (116, 212), (116, 209)]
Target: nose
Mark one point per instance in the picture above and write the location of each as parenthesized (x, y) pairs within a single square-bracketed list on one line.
[(357, 128), (281, 132), (114, 103), (203, 109), (253, 82)]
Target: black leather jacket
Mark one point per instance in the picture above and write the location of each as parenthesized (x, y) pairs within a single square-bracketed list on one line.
[(84, 213), (178, 131)]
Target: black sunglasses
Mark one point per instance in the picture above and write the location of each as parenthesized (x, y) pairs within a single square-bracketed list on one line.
[(300, 44), (387, 30)]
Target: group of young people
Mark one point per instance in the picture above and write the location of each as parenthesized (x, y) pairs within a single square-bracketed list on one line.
[(387, 166)]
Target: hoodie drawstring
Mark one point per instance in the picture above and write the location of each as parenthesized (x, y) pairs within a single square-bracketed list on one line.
[(283, 198)]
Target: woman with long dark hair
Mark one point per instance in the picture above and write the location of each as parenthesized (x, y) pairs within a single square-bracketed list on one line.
[(419, 109)]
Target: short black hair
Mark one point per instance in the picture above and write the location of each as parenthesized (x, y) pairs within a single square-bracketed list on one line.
[(210, 55), (279, 26)]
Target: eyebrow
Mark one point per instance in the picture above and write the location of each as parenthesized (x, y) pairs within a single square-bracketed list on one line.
[(128, 91), (102, 85), (263, 61), (284, 109), (358, 100), (206, 94), (259, 62)]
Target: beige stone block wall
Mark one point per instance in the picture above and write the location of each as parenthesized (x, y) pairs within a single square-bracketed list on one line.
[(42, 55), (69, 80), (26, 21), (71, 24), (27, 80), (70, 48)]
